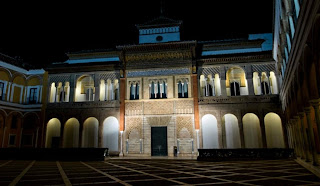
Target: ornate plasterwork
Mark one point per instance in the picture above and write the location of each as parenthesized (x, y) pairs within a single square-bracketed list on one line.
[(264, 68), (158, 72), (158, 56), (134, 124), (59, 78), (158, 107), (158, 120), (210, 71), (184, 126), (109, 75)]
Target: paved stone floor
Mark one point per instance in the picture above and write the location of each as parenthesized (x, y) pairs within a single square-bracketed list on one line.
[(155, 172)]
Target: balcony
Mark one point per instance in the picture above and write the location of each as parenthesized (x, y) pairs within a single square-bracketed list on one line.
[(273, 98), (29, 105)]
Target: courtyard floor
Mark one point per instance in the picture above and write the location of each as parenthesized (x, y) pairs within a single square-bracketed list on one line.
[(155, 172)]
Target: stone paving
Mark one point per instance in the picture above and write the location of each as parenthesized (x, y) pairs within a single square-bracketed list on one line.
[(155, 172)]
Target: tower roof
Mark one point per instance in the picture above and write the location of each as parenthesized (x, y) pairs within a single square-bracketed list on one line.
[(160, 21)]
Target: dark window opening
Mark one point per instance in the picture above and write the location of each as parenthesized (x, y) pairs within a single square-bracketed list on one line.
[(12, 140), (264, 88), (235, 89), (2, 96), (33, 96)]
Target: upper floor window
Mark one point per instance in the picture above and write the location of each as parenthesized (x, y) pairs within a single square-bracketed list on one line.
[(236, 82), (33, 96), (85, 89), (2, 96), (134, 91), (109, 90), (158, 89), (183, 89)]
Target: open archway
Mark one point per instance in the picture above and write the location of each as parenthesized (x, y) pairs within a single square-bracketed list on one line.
[(110, 133), (252, 131), (90, 133), (210, 139), (274, 133), (53, 133), (71, 133), (232, 131)]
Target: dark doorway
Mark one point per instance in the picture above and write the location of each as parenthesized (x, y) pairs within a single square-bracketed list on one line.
[(159, 146)]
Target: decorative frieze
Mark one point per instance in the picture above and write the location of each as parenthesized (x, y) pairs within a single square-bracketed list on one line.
[(109, 75), (263, 67), (158, 107), (184, 107), (210, 71), (158, 72), (59, 78), (159, 120)]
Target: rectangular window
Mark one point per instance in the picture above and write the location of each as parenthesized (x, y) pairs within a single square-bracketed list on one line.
[(33, 96), (12, 140)]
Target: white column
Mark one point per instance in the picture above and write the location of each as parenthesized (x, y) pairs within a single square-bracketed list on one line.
[(121, 143), (198, 141), (8, 92)]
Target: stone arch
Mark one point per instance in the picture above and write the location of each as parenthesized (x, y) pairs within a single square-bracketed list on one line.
[(71, 133), (33, 81), (110, 133), (274, 133), (7, 73), (232, 136), (14, 118), (19, 79), (252, 131), (90, 133), (84, 88), (210, 134), (31, 120), (236, 75), (53, 133)]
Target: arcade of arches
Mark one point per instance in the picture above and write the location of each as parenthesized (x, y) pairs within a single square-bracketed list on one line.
[(89, 134), (247, 133)]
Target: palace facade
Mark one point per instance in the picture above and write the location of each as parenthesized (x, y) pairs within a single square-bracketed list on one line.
[(163, 92)]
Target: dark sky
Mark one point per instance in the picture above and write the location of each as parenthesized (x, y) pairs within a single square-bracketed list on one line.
[(42, 33)]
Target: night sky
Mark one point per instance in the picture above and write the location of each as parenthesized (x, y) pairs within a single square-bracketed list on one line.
[(42, 33)]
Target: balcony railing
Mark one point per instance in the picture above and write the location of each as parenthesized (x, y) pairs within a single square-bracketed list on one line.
[(32, 100)]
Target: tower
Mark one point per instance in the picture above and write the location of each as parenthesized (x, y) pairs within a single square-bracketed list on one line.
[(159, 30)]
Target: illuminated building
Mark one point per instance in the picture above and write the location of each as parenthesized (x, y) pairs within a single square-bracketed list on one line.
[(146, 98)]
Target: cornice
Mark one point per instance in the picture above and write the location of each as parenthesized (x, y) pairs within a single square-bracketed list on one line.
[(232, 59)]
